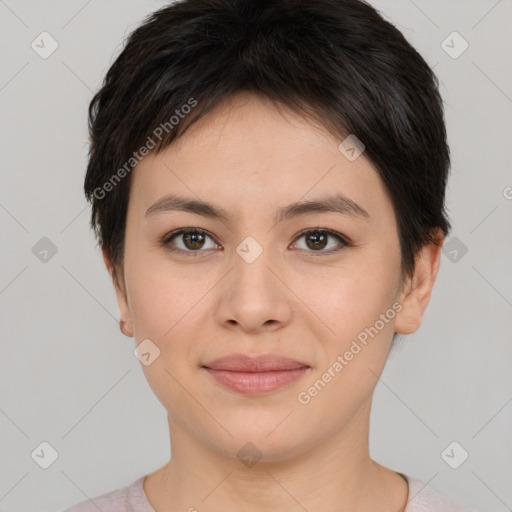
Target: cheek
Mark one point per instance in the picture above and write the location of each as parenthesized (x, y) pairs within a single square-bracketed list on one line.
[(361, 316), (160, 294), (356, 297), (162, 311)]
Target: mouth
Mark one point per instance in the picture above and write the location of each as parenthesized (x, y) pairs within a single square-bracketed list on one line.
[(255, 375)]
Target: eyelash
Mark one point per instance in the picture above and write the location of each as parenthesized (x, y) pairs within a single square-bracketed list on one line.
[(166, 240)]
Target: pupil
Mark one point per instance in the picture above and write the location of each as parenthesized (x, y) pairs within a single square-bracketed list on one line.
[(317, 237), (194, 237)]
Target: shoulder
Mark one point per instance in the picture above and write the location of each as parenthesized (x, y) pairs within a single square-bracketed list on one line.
[(130, 498), (423, 498)]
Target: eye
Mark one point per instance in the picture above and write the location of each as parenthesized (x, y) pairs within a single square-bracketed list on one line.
[(192, 240), (317, 240)]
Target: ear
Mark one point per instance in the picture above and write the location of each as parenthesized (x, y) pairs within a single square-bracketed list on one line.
[(122, 301), (418, 288)]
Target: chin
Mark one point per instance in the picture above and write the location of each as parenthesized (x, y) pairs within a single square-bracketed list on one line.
[(251, 445)]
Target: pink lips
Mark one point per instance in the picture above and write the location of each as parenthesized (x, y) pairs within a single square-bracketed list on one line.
[(255, 375)]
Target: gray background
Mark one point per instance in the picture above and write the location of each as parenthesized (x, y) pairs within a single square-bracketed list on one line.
[(69, 377)]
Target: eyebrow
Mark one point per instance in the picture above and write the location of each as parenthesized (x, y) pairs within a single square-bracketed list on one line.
[(334, 203)]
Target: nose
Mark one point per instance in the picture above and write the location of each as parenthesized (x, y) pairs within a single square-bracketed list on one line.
[(254, 296)]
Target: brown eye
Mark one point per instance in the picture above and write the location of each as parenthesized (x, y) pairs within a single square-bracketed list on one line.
[(318, 239), (193, 240), (188, 241)]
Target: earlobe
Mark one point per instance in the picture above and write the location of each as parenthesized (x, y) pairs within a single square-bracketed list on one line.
[(125, 322), (409, 318), (417, 292)]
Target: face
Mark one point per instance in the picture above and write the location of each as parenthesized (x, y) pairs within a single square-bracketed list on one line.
[(254, 282)]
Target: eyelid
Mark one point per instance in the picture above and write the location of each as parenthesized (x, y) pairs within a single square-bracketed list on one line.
[(335, 234), (166, 240), (342, 239)]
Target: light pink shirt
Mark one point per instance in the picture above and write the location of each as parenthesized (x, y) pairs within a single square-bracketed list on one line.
[(132, 498)]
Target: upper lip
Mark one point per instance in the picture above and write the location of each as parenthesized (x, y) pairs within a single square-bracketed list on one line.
[(259, 363)]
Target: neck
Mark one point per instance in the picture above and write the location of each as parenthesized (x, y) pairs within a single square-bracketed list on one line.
[(335, 474)]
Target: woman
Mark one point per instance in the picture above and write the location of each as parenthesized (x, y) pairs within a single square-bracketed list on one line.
[(267, 181)]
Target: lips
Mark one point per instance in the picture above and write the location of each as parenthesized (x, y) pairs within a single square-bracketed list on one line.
[(249, 364), (255, 375)]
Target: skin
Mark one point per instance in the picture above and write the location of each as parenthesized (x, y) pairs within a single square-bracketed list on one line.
[(251, 158)]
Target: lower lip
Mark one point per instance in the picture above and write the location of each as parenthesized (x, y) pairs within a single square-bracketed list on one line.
[(256, 383)]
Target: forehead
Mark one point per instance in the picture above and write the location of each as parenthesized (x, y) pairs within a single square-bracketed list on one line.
[(248, 156)]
